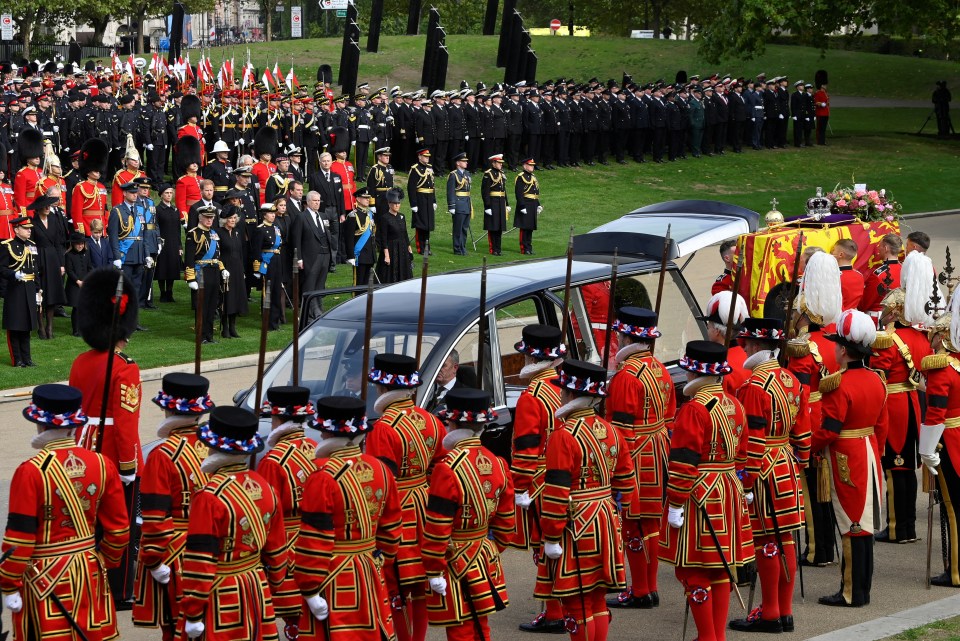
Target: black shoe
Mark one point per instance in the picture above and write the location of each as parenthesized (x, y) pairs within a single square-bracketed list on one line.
[(626, 600), (123, 606), (149, 305), (77, 334), (233, 333), (815, 564), (944, 581), (225, 334), (61, 313), (786, 622), (141, 328), (908, 539), (208, 341), (541, 625), (19, 364), (753, 623), (621, 162), (530, 252), (837, 600), (883, 536)]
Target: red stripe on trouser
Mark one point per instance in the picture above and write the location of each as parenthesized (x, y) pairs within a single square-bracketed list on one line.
[(10, 348), (490, 242)]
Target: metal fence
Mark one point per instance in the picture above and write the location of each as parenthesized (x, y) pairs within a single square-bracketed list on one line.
[(41, 51)]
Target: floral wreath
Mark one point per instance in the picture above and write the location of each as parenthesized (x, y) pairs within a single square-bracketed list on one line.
[(636, 330), (268, 409), (549, 353), (698, 367), (181, 405), (67, 419), (230, 445), (394, 380)]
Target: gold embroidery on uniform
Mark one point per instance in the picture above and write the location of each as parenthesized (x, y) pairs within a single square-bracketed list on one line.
[(252, 489), (843, 469), (363, 471), (309, 449), (201, 450), (373, 499), (487, 487), (74, 467), (599, 430), (786, 379), (484, 465), (129, 397)]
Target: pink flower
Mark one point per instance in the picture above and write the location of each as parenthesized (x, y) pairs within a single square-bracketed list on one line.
[(860, 193), (841, 203), (889, 219), (880, 207), (872, 193), (863, 203)]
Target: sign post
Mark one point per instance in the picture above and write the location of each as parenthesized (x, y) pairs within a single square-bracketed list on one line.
[(296, 22), (6, 26), (340, 5), (555, 26)]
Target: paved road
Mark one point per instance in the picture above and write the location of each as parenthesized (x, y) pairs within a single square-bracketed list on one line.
[(898, 582)]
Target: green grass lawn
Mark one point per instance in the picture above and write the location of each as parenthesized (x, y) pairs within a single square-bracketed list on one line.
[(473, 58), (946, 630)]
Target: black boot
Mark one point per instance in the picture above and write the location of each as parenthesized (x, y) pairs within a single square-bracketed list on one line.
[(49, 319), (42, 325), (233, 326), (225, 327)]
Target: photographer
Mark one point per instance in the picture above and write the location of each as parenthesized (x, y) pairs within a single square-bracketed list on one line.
[(941, 107)]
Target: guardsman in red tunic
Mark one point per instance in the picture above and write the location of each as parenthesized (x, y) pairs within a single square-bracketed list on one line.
[(811, 359), (30, 151), (708, 442), (940, 433), (121, 433), (851, 280), (533, 421), (854, 422), (641, 402), (470, 519), (89, 198), (717, 313), (7, 212), (350, 512), (728, 254), (408, 440), (59, 497), (236, 550), (587, 461), (129, 173), (264, 149), (187, 165), (885, 278), (287, 466), (171, 477), (778, 446), (898, 352), (190, 113)]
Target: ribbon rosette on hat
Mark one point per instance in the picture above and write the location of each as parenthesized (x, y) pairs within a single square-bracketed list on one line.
[(633, 330), (347, 426), (394, 380), (269, 409), (467, 416), (698, 367), (183, 405), (588, 385), (230, 445), (541, 353), (66, 419)]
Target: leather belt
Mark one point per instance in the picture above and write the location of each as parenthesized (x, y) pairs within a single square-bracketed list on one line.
[(860, 432), (465, 194), (897, 388), (498, 193), (422, 190)]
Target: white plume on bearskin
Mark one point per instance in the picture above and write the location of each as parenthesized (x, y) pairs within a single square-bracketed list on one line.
[(916, 278), (955, 318), (821, 295), (857, 327), (719, 304)]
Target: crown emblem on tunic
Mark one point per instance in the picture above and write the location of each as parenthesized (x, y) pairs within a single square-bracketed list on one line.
[(74, 467), (363, 471), (484, 464), (253, 489)]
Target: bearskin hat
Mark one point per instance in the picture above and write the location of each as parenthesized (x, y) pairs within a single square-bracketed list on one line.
[(265, 142), (339, 140), (30, 143), (190, 108), (95, 308), (186, 153), (93, 157), (820, 78), (89, 65), (325, 74)]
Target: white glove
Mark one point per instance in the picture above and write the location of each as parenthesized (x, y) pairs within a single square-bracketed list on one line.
[(929, 437), (539, 209), (488, 212), (781, 116), (374, 139), (439, 585), (823, 104), (193, 285), (753, 120), (299, 264), (932, 461), (149, 262), (56, 128), (794, 118), (749, 498), (553, 550), (508, 209), (318, 607), (128, 478), (523, 499), (20, 276), (353, 143), (225, 275), (161, 573), (117, 263), (675, 516), (256, 275), (238, 143), (193, 629), (466, 137), (523, 210), (373, 210), (434, 206), (13, 602), (452, 211), (150, 147), (352, 262), (414, 209)]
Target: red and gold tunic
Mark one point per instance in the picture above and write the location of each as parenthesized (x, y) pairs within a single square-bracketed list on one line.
[(471, 495), (876, 285), (60, 496), (723, 283), (344, 169), (641, 402), (25, 187), (811, 359), (851, 287), (51, 181), (121, 178), (287, 467), (407, 439), (778, 446), (187, 193), (263, 171), (7, 211), (854, 422), (171, 477), (87, 203), (121, 434), (735, 379), (190, 129), (533, 422), (350, 510), (236, 552), (898, 353), (709, 440), (587, 460)]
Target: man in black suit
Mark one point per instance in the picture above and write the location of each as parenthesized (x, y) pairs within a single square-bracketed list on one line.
[(101, 255), (446, 380), (329, 187), (207, 193), (294, 199), (314, 243)]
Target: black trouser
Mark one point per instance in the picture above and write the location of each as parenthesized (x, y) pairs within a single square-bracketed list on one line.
[(948, 482), (461, 222), (563, 148), (146, 288), (770, 131), (797, 132), (589, 145), (819, 520), (422, 238), (134, 274), (155, 163), (534, 147), (513, 150), (211, 301), (822, 129), (547, 146), (19, 343), (493, 240), (900, 469), (638, 139), (659, 138), (361, 162), (574, 146), (121, 577), (526, 241), (737, 135), (361, 274), (719, 137), (603, 145), (807, 130), (474, 146), (620, 143), (857, 566), (676, 143)]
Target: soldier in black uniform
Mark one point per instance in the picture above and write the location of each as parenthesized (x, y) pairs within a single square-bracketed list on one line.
[(458, 203), (441, 127), (783, 104), (796, 113), (457, 126), (366, 131), (202, 256), (474, 128), (19, 267), (267, 265), (493, 189), (604, 125), (576, 126), (219, 170), (527, 193), (771, 114), (622, 125), (361, 234), (423, 199), (154, 127), (515, 115), (380, 180)]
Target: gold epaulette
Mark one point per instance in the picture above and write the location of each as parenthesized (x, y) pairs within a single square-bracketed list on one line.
[(882, 341), (831, 382), (125, 358), (798, 347), (933, 361), (879, 372)]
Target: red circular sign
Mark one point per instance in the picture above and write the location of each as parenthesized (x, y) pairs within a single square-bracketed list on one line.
[(7, 21), (555, 24), (296, 18)]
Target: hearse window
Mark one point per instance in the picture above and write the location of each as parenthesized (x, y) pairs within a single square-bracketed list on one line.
[(511, 319), (466, 349)]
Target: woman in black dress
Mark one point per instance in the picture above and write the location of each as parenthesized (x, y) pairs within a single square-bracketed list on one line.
[(283, 222), (234, 298), (170, 259), (396, 256), (51, 240), (77, 264)]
